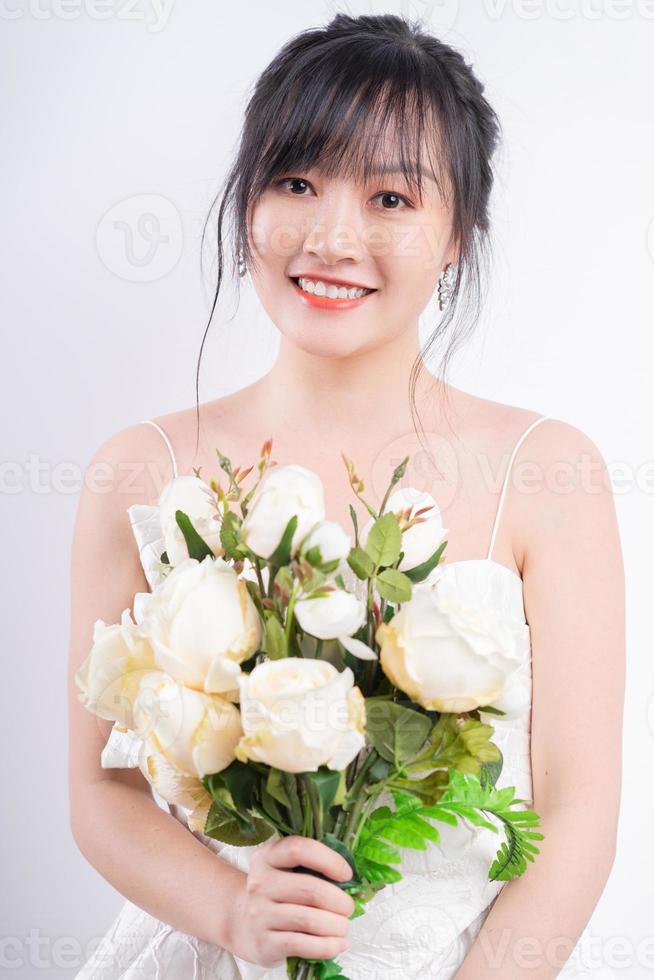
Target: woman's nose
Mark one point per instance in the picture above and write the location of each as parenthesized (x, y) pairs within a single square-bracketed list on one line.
[(333, 234)]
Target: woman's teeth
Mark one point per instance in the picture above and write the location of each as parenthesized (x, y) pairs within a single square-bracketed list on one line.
[(328, 289)]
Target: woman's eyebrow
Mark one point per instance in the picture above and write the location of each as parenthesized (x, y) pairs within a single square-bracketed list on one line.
[(395, 168)]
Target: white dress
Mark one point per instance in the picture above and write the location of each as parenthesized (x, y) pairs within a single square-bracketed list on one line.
[(420, 927)]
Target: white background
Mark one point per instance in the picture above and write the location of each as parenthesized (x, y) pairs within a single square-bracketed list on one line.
[(102, 328)]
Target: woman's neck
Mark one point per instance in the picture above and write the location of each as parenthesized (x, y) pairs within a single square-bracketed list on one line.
[(331, 393)]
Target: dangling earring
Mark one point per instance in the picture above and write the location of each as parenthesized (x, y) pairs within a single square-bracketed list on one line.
[(242, 268), (446, 282)]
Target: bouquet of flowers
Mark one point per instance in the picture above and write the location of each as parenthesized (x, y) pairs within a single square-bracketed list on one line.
[(270, 699)]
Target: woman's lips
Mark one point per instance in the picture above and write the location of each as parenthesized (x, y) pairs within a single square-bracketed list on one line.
[(324, 303)]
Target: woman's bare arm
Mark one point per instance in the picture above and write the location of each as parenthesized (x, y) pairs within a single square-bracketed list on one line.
[(575, 604), (144, 852)]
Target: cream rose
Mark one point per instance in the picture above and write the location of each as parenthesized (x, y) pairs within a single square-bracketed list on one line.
[(109, 678), (196, 732), (334, 542), (202, 624), (448, 654), (420, 541), (197, 500), (175, 786), (283, 492), (331, 616), (300, 714)]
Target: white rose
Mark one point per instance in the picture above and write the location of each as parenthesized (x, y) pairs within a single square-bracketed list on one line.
[(176, 787), (420, 541), (334, 542), (197, 500), (331, 616), (283, 493), (196, 732), (202, 624), (300, 714), (109, 678), (448, 654)]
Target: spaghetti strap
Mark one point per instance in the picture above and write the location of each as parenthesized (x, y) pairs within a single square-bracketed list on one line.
[(166, 440), (536, 422)]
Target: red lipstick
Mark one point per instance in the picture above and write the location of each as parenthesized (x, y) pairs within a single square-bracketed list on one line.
[(324, 302)]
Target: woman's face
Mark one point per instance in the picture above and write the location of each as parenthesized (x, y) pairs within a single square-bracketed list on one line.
[(330, 231)]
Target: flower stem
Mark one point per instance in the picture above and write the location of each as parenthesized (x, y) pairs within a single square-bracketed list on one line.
[(290, 786), (312, 794), (358, 796), (289, 614)]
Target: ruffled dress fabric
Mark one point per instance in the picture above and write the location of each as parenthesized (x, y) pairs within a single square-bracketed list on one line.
[(420, 927)]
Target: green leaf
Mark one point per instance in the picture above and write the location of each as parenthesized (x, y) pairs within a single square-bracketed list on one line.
[(489, 709), (275, 786), (274, 637), (282, 553), (384, 541), (337, 845), (379, 851), (225, 827), (490, 772), (397, 733), (404, 826), (380, 768), (314, 557), (389, 612), (381, 872), (330, 970), (457, 744), (230, 536), (423, 827), (355, 522), (327, 782), (361, 563), (420, 572), (270, 806), (394, 585), (429, 789), (242, 781), (197, 546), (476, 736), (466, 795)]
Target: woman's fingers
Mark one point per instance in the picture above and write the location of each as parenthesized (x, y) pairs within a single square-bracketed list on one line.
[(303, 918), (303, 889), (295, 850), (308, 947)]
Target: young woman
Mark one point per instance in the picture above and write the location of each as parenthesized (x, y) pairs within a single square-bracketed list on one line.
[(360, 193)]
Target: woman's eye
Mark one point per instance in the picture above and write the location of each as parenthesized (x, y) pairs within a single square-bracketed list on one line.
[(293, 180), (392, 200)]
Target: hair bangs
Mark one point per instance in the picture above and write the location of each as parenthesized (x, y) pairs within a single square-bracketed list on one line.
[(356, 129)]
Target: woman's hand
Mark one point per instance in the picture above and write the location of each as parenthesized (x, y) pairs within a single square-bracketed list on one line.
[(280, 912)]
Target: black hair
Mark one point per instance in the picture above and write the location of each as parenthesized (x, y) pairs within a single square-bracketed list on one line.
[(328, 98)]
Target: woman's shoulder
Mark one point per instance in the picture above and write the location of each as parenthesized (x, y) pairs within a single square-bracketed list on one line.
[(140, 457), (502, 424), (229, 419)]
